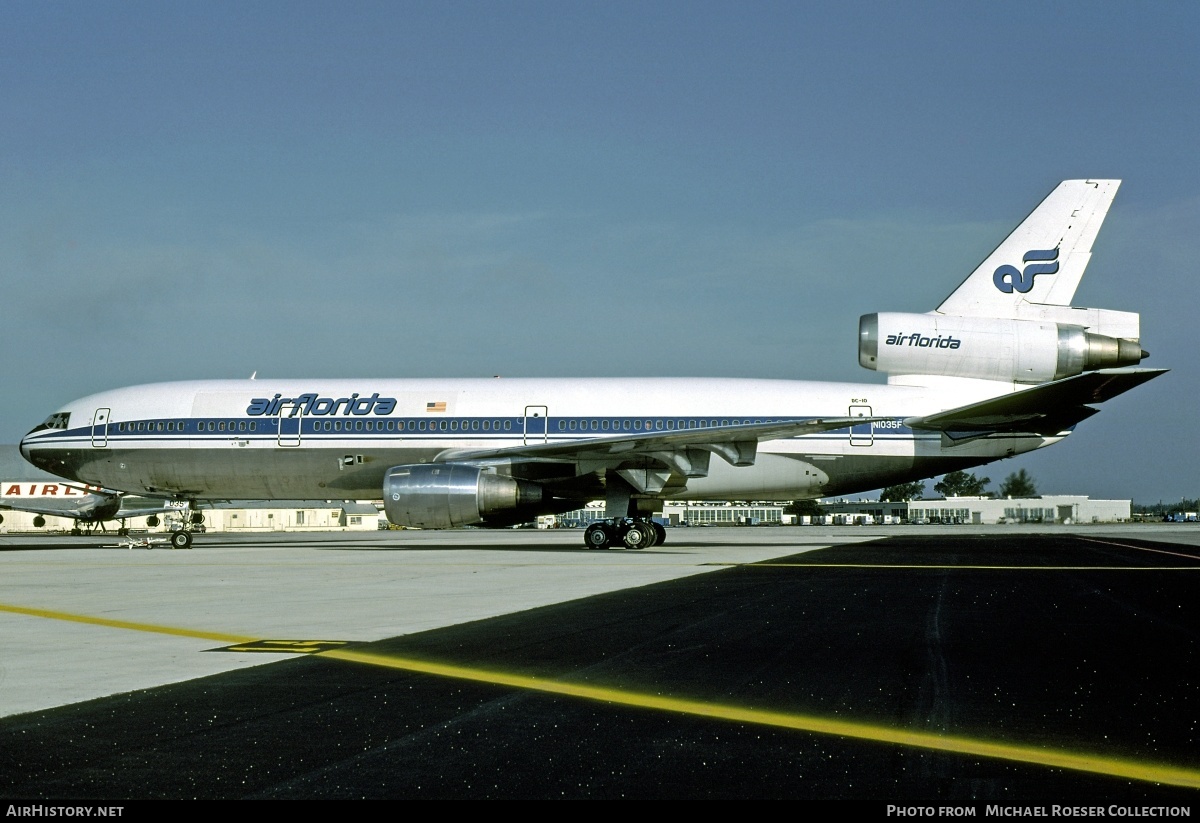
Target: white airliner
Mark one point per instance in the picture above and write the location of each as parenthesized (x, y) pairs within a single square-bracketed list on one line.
[(1003, 366)]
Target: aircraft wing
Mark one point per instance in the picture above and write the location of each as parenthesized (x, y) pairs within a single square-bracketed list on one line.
[(737, 444), (1045, 409)]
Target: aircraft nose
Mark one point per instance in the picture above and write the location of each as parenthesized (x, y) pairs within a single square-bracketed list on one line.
[(24, 447)]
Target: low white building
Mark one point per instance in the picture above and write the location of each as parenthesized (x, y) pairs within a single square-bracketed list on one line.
[(1047, 508), (279, 515), (693, 513), (291, 516)]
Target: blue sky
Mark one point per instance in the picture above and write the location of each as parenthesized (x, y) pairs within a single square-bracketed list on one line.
[(192, 190)]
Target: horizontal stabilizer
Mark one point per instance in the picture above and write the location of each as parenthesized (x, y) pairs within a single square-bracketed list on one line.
[(1045, 409)]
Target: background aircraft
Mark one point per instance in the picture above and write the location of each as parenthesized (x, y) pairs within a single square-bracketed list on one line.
[(25, 488)]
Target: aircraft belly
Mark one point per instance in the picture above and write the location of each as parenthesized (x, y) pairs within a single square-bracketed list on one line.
[(773, 476), (272, 473)]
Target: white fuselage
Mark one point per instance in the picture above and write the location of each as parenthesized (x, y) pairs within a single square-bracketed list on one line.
[(335, 439)]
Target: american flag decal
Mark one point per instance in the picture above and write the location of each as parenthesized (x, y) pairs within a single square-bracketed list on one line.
[(435, 407)]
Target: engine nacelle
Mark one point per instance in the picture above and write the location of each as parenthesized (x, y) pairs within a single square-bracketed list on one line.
[(449, 495), (989, 348)]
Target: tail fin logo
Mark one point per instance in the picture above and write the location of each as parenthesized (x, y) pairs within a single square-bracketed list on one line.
[(1009, 279)]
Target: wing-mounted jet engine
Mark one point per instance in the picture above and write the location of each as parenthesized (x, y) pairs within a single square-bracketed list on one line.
[(450, 495)]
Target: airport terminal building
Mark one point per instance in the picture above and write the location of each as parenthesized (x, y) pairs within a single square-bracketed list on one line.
[(1048, 508)]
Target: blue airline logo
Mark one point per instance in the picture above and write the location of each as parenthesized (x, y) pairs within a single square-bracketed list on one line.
[(1009, 279), (311, 404), (922, 341)]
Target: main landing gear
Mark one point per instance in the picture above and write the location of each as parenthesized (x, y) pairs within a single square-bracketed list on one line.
[(630, 532)]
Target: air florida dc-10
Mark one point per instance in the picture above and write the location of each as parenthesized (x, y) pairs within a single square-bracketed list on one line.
[(1003, 366)]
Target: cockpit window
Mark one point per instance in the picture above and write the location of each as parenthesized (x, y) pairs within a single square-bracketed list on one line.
[(58, 420)]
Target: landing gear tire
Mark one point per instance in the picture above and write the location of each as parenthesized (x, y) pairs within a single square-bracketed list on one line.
[(639, 536), (660, 533), (597, 536), (181, 540)]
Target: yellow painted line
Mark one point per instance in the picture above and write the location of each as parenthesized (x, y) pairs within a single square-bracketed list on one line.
[(287, 646), (126, 624), (1054, 758)]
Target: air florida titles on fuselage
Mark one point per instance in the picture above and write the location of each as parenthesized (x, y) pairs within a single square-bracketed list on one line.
[(312, 404), (923, 341)]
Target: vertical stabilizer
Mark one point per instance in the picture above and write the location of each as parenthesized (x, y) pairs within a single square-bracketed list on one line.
[(1042, 261)]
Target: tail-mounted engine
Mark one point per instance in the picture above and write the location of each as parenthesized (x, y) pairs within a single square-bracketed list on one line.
[(449, 495), (990, 348)]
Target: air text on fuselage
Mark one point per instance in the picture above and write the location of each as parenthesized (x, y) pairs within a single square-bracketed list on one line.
[(312, 404)]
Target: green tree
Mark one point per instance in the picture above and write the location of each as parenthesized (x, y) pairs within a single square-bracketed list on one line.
[(962, 484), (903, 492), (1018, 484), (804, 508)]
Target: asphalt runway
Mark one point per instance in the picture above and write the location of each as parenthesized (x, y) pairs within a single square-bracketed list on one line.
[(900, 665)]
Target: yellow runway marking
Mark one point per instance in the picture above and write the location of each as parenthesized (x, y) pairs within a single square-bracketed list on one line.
[(1077, 761), (1054, 758), (219, 637)]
